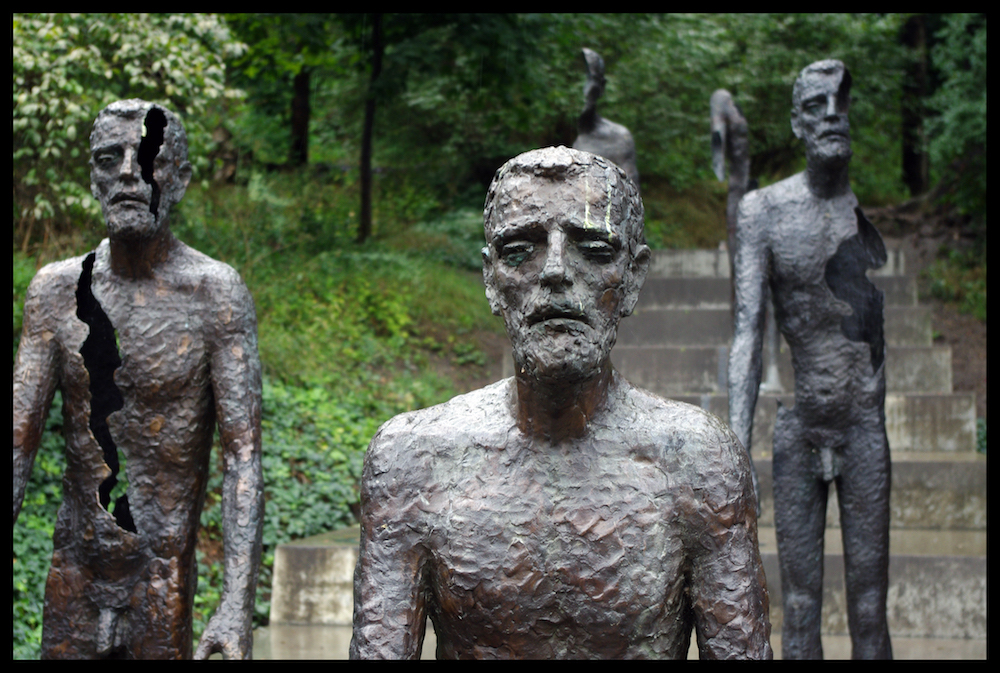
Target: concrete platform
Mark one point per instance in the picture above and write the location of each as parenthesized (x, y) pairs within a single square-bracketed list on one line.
[(286, 642)]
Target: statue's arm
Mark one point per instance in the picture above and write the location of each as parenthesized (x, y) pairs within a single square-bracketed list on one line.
[(35, 378), (728, 589), (751, 268), (389, 581), (236, 383)]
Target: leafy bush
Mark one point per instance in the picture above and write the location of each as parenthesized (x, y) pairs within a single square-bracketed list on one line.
[(960, 279), (67, 67)]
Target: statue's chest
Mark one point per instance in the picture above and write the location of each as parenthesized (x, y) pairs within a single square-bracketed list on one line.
[(163, 343), (533, 544), (803, 242)]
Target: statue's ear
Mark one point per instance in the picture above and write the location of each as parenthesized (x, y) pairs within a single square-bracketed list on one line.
[(489, 279), (795, 124), (638, 269)]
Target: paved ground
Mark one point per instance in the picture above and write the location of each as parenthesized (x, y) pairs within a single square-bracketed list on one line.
[(331, 642)]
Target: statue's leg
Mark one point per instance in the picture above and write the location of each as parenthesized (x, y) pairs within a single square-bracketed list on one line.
[(161, 612), (800, 521), (863, 494), (69, 617)]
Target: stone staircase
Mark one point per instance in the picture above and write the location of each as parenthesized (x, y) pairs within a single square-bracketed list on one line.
[(677, 345)]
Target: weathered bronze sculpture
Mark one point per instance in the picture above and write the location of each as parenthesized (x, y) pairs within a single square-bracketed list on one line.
[(596, 134), (730, 145), (151, 344), (560, 513), (807, 239)]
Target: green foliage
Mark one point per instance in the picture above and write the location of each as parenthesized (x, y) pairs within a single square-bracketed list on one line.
[(24, 271), (960, 279), (981, 435), (957, 131), (67, 67)]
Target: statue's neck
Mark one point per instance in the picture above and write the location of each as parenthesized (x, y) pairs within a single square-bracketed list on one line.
[(827, 177), (557, 410), (137, 258)]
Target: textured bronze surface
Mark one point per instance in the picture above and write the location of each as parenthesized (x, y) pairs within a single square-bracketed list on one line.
[(807, 240), (152, 345), (561, 513)]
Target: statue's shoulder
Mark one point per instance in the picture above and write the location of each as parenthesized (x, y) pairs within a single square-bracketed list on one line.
[(793, 188), (196, 264), (474, 414), (54, 286), (685, 432), (411, 444)]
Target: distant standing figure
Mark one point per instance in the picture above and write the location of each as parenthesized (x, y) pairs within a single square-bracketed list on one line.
[(597, 135), (152, 344), (806, 238)]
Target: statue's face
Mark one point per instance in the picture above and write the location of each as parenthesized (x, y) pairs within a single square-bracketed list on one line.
[(558, 270), (134, 205), (819, 117)]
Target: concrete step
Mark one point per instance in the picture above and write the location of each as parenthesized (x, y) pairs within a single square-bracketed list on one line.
[(929, 491), (904, 326), (291, 642), (937, 584), (679, 370), (712, 292), (715, 264), (913, 421), (937, 595)]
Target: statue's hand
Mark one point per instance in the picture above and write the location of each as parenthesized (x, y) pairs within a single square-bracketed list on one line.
[(229, 633)]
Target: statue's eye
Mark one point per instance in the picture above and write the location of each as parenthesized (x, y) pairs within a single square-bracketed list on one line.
[(106, 158), (599, 251), (516, 252)]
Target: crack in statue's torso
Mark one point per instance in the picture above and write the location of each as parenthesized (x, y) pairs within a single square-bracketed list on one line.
[(845, 276), (101, 359)]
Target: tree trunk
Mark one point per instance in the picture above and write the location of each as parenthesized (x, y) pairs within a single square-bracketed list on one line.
[(299, 150), (916, 168), (365, 228)]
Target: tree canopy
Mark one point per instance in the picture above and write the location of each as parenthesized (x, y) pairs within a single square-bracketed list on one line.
[(457, 94)]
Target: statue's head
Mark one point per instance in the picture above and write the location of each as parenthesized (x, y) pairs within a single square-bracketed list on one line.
[(138, 166), (593, 88), (821, 98), (565, 258)]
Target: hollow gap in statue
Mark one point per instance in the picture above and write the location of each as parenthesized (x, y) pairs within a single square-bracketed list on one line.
[(152, 139), (845, 276), (101, 358)]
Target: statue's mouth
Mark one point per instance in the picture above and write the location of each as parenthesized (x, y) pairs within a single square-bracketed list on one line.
[(558, 313), (125, 197), (835, 133)]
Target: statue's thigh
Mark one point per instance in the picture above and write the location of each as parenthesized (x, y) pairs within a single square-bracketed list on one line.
[(69, 617), (160, 625)]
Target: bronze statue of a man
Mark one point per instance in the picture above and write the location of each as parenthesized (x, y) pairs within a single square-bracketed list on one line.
[(152, 344), (806, 238), (560, 513)]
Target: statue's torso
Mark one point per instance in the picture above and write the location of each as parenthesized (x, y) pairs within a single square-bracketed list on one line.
[(829, 312), (162, 433), (584, 549)]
